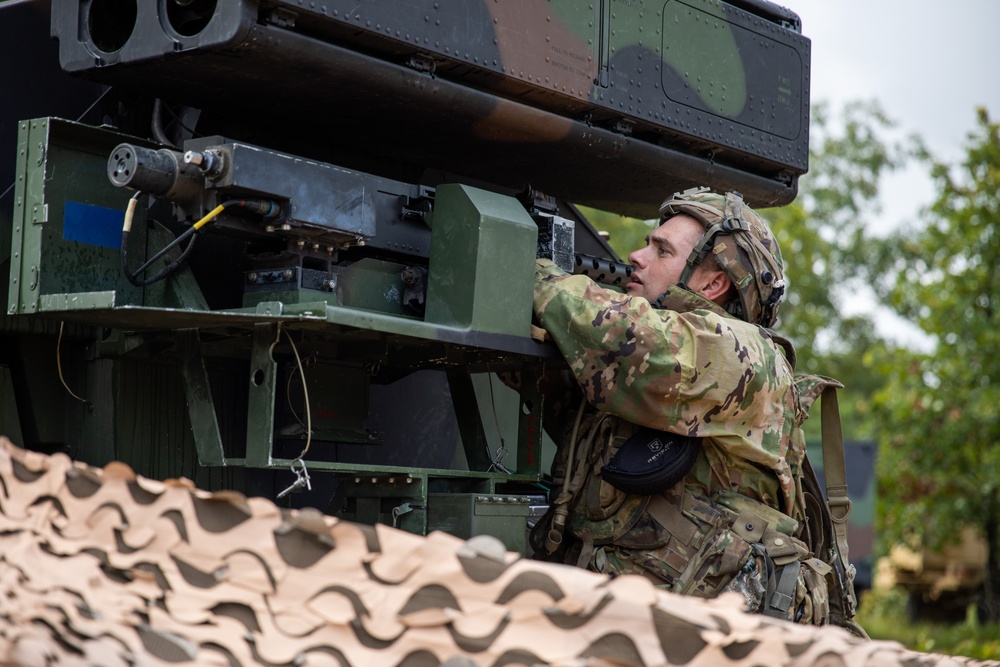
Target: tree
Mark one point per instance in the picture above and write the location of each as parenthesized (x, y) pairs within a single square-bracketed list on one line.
[(940, 453), (830, 253)]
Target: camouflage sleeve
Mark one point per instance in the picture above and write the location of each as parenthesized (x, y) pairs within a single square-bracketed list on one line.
[(698, 373)]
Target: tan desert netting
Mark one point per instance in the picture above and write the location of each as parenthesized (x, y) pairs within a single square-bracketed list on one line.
[(101, 567)]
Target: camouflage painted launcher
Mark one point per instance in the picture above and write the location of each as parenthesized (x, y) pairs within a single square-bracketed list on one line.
[(605, 103)]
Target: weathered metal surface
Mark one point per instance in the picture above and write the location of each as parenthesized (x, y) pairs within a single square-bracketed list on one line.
[(623, 96), (201, 405), (67, 226)]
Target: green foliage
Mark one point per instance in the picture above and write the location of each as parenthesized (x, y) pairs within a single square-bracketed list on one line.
[(828, 253), (941, 439), (830, 256), (624, 234), (883, 615)]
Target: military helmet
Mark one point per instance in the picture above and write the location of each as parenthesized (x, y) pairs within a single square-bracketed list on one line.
[(743, 246)]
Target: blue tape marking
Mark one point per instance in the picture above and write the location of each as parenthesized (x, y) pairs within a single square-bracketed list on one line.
[(95, 225)]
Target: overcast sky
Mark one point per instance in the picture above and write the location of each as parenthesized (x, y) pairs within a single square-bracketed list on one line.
[(929, 63)]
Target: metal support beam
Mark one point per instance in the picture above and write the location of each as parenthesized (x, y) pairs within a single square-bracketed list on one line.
[(529, 427), (260, 406), (10, 422), (201, 407), (470, 423)]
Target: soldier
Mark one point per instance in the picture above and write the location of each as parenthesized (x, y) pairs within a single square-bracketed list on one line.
[(682, 461)]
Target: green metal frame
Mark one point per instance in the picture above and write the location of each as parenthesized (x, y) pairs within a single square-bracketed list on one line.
[(477, 318)]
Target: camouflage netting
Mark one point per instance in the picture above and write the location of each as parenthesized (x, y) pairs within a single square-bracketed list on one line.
[(101, 567)]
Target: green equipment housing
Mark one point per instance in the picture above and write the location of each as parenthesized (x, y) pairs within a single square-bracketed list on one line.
[(287, 248)]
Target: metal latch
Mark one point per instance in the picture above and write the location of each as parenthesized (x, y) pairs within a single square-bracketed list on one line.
[(281, 17), (422, 63), (405, 508)]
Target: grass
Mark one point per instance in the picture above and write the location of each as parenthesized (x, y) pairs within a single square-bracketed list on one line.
[(883, 615)]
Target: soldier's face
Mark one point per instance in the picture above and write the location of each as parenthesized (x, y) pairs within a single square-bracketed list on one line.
[(659, 265)]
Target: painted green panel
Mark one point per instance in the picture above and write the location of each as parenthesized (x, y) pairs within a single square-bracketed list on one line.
[(468, 514), (372, 284), (698, 43), (65, 217), (482, 261)]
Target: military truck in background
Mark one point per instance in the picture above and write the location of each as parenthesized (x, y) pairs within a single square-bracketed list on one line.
[(941, 585), (859, 462), (285, 246)]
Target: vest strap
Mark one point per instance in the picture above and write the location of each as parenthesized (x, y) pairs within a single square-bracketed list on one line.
[(784, 593), (586, 549), (671, 518)]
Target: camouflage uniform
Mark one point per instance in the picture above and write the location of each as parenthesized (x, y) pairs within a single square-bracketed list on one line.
[(689, 368)]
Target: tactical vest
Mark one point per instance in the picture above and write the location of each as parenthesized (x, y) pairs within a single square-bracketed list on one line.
[(698, 540)]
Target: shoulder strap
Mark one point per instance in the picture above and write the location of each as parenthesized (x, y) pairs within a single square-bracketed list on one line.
[(834, 470), (831, 521), (835, 476)]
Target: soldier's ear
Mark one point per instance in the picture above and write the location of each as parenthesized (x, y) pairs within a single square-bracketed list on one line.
[(715, 286)]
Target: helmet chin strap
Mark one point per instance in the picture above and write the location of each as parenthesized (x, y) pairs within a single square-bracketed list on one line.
[(734, 306), (732, 223), (706, 243), (698, 254)]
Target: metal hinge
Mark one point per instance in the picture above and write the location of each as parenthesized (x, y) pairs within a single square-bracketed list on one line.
[(624, 126), (281, 17), (39, 214), (422, 62)]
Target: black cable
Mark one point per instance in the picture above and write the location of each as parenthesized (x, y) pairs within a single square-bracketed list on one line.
[(165, 271), (156, 124), (264, 207)]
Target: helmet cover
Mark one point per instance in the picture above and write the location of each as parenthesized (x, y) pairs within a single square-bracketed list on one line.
[(743, 246)]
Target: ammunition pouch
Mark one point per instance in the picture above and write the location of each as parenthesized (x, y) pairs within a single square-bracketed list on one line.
[(782, 579)]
